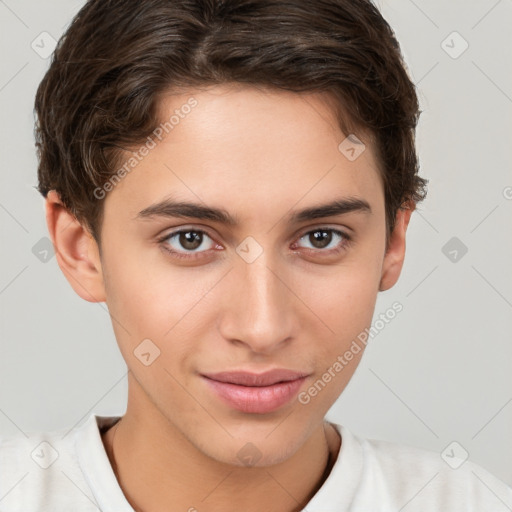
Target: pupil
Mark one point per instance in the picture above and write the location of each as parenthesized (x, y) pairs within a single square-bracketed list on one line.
[(321, 239), (190, 239)]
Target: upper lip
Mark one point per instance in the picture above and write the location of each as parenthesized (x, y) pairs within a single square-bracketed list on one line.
[(267, 378)]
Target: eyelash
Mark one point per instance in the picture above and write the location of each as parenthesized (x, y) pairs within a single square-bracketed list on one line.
[(342, 246)]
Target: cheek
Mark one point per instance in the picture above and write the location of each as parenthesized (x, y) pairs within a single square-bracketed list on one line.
[(345, 301), (154, 300), (350, 300), (345, 297), (345, 304)]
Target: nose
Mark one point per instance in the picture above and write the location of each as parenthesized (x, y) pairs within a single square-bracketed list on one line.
[(259, 307)]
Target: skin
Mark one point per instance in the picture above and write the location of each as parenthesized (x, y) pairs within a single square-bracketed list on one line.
[(259, 155)]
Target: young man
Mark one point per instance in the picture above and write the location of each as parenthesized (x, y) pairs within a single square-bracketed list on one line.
[(235, 180)]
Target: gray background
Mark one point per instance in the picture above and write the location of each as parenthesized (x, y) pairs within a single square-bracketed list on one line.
[(439, 372)]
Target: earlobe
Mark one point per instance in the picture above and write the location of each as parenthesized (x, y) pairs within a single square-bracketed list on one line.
[(76, 250), (395, 253)]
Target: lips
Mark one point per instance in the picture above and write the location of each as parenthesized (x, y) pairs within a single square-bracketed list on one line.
[(268, 378), (255, 393)]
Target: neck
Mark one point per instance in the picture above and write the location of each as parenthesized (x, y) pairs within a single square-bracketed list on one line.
[(158, 468)]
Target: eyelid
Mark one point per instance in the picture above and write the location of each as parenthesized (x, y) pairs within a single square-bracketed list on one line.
[(346, 240), (180, 229), (345, 231), (185, 229)]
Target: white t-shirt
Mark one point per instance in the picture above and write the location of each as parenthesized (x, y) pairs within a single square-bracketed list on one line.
[(68, 470)]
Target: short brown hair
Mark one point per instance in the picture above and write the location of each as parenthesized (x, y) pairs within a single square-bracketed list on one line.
[(100, 94)]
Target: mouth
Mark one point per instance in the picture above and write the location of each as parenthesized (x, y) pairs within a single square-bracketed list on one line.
[(255, 393)]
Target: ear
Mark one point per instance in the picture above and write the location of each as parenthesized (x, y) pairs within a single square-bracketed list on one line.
[(76, 250), (395, 252)]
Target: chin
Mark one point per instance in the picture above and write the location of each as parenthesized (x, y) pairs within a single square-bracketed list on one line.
[(259, 448)]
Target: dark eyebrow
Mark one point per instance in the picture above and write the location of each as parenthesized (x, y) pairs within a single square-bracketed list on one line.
[(337, 207), (183, 209)]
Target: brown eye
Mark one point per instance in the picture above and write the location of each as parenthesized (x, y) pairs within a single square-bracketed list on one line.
[(186, 242), (325, 240), (190, 240), (320, 238)]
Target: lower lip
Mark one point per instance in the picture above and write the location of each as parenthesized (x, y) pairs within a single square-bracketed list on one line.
[(255, 399)]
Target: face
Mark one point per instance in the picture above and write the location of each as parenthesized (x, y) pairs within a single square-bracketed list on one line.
[(271, 289)]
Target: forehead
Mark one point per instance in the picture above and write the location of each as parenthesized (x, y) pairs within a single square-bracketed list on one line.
[(249, 147), (230, 111)]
